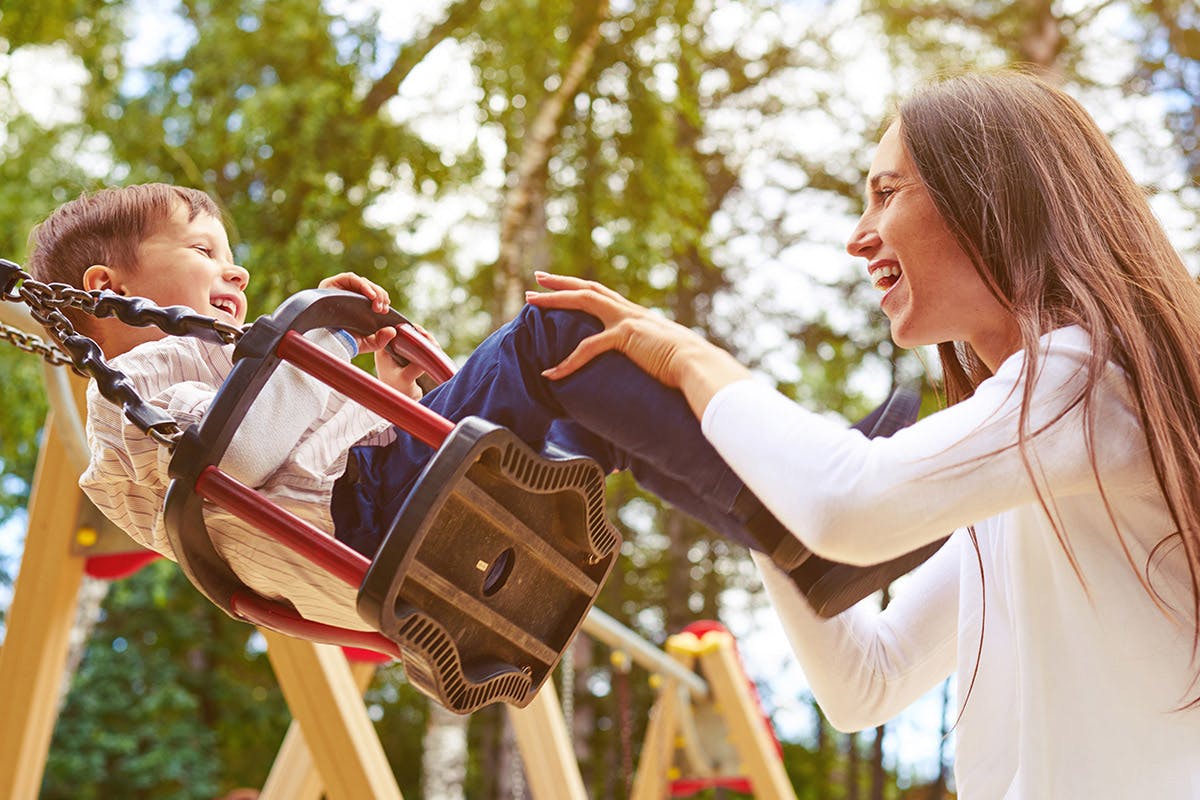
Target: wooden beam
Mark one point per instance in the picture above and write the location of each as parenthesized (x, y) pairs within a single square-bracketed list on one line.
[(658, 748), (743, 716), (294, 775), (541, 733), (323, 697), (39, 622)]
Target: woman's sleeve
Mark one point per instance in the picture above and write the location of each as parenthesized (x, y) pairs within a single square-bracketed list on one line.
[(863, 666), (862, 501)]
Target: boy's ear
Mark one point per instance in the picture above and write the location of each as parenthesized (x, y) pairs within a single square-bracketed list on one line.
[(99, 276)]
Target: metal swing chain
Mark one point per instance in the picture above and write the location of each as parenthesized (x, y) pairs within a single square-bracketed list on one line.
[(32, 344), (46, 303)]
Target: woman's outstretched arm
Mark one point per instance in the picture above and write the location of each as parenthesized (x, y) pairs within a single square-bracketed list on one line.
[(864, 667), (861, 501)]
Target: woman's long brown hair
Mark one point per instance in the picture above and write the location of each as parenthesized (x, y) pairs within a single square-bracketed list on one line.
[(1063, 235)]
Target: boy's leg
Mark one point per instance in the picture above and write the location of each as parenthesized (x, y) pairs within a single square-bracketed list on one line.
[(610, 411)]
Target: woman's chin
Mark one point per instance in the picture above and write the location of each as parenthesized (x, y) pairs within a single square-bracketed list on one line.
[(905, 338), (899, 335)]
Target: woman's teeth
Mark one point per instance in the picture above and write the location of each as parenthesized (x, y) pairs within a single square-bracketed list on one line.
[(885, 277)]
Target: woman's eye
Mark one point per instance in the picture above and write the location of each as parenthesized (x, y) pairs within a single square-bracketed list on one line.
[(883, 193)]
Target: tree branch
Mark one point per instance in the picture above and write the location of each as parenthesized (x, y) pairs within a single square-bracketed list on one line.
[(534, 157), (412, 54)]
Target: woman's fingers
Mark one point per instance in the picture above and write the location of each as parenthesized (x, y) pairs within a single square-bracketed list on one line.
[(590, 290), (676, 356), (608, 310), (648, 340), (583, 353)]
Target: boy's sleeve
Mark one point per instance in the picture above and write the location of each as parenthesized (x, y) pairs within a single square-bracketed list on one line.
[(284, 410)]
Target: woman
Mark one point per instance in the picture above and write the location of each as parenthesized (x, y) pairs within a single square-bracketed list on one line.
[(1000, 226)]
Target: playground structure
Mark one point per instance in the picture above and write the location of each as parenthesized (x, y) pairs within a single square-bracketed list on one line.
[(331, 747)]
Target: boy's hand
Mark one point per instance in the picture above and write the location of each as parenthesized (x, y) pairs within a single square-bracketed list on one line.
[(400, 378), (387, 367), (350, 282), (357, 283)]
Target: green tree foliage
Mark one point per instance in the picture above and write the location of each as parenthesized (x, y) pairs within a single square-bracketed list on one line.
[(171, 699), (1170, 66), (673, 149)]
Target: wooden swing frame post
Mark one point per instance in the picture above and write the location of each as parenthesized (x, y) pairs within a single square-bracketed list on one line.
[(723, 682), (40, 617)]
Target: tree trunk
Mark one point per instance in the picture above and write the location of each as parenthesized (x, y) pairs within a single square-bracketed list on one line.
[(87, 613), (679, 579), (444, 755), (878, 775), (582, 719), (510, 772), (1043, 40), (528, 184), (937, 791), (852, 766), (824, 775)]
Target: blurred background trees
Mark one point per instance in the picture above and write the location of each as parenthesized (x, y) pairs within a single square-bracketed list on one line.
[(704, 157)]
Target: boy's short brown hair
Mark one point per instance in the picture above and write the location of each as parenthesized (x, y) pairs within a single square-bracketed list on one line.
[(106, 227)]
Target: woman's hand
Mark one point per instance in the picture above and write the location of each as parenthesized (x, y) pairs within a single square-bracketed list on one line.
[(672, 354)]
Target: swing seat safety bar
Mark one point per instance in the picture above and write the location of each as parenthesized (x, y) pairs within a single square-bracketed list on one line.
[(491, 564)]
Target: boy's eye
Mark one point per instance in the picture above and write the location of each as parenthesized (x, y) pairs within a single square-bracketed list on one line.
[(202, 249)]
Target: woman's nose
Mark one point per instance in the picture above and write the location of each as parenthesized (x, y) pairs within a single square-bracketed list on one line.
[(864, 240)]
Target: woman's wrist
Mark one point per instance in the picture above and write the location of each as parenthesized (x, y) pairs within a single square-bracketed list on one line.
[(704, 371)]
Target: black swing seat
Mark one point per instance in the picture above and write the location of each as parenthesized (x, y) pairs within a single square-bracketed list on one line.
[(490, 566), (488, 569)]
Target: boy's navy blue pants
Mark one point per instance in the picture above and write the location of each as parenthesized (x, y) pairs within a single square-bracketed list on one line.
[(610, 410)]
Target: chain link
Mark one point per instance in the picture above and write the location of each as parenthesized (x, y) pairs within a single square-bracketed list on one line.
[(32, 344), (47, 303)]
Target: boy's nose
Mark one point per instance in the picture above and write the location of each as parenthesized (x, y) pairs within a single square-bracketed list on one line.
[(237, 275)]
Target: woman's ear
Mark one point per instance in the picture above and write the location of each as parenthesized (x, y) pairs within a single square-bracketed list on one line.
[(99, 276)]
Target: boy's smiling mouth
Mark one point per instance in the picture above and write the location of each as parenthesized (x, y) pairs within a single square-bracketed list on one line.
[(225, 304)]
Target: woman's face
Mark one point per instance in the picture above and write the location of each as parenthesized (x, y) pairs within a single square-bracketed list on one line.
[(932, 293)]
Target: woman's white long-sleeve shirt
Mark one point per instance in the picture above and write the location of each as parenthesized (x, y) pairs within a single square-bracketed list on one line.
[(1078, 684)]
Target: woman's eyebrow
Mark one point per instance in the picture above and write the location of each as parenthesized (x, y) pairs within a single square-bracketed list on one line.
[(875, 179)]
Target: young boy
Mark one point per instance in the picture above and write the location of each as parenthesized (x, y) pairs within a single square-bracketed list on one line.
[(305, 446)]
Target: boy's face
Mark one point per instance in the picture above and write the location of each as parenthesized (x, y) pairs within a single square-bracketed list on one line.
[(184, 262)]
